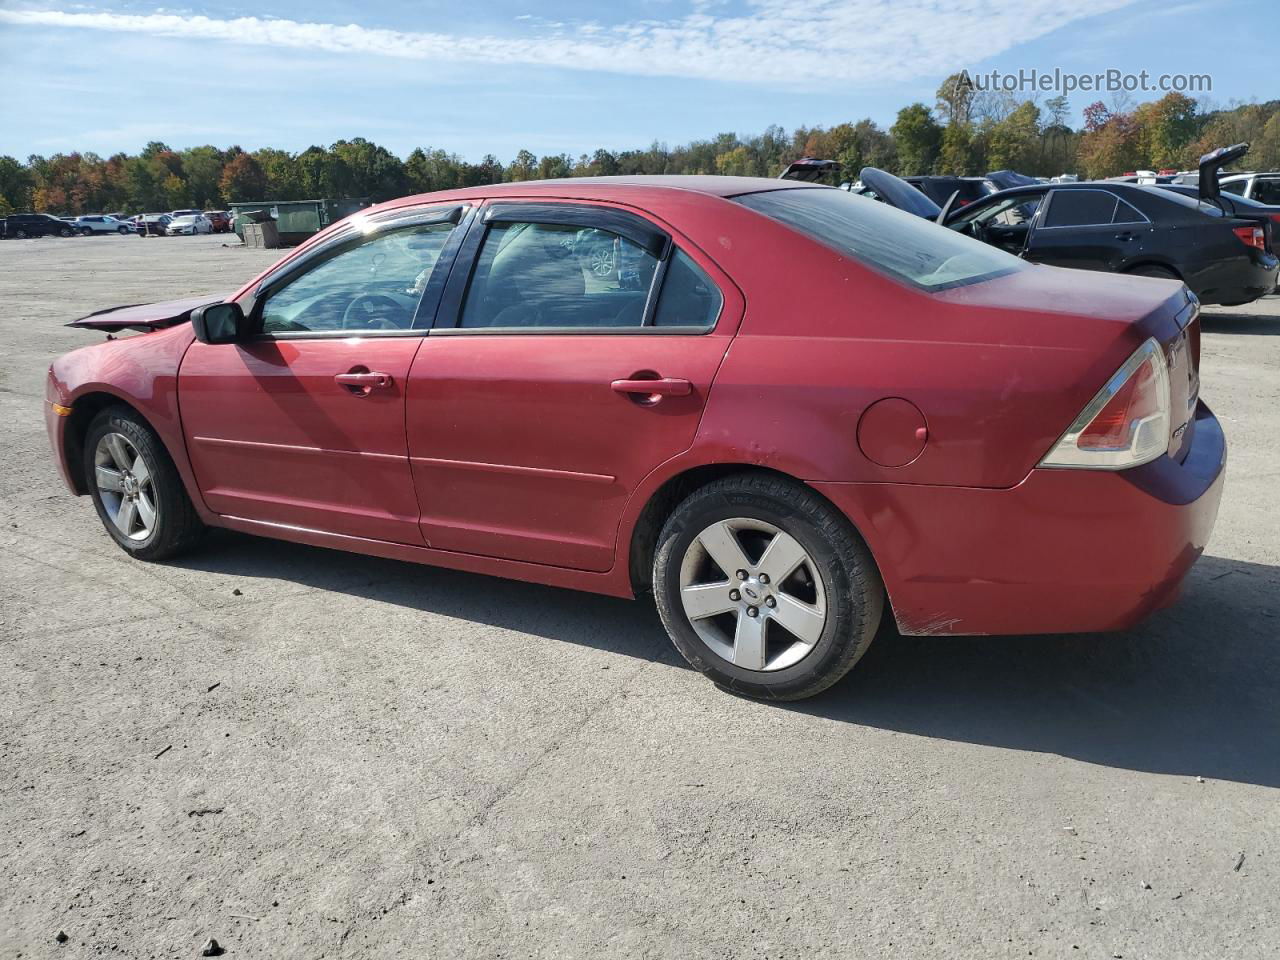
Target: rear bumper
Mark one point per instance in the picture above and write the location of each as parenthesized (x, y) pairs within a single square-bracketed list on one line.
[(1064, 551), (1238, 279)]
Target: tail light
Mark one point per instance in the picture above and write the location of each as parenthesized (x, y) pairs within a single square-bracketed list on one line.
[(1252, 237), (1126, 424)]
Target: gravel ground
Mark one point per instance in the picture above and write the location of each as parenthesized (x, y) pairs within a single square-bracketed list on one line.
[(305, 753)]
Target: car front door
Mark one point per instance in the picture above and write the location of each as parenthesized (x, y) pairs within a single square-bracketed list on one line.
[(1089, 229), (301, 422), (573, 352), (1004, 221)]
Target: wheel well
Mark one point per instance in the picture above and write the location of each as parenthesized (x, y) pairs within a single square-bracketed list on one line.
[(83, 411), (1134, 267), (644, 538)]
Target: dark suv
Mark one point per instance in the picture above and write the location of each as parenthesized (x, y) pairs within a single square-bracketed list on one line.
[(23, 225)]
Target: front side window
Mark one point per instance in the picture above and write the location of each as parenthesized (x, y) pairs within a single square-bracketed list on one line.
[(1235, 186), (557, 275), (899, 244), (371, 287)]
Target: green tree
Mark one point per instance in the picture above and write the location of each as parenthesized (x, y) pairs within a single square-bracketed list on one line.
[(523, 167), (1014, 142), (203, 168), (917, 137)]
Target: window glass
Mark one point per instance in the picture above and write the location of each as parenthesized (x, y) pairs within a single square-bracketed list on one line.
[(688, 297), (1081, 208), (1127, 213), (900, 244), (1235, 186), (1006, 212), (557, 275), (1267, 191), (372, 287)]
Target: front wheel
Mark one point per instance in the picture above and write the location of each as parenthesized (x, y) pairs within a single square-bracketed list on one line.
[(123, 231), (136, 488), (764, 587), (66, 232)]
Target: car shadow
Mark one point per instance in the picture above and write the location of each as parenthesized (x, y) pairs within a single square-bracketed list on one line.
[(1191, 692), (1253, 324)]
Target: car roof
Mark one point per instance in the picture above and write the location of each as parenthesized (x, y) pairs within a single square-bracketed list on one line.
[(620, 188)]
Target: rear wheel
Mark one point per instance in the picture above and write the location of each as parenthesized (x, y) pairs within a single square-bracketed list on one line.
[(766, 588), (86, 232), (20, 234), (123, 231), (66, 232), (136, 488)]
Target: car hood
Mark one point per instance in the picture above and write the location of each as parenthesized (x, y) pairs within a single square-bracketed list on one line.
[(1008, 179), (898, 193), (144, 316)]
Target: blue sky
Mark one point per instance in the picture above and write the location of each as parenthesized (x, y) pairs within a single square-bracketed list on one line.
[(561, 75)]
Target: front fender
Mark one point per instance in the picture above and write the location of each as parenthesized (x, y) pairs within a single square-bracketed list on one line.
[(140, 371)]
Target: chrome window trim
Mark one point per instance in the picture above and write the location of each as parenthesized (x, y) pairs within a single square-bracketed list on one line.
[(1053, 197)]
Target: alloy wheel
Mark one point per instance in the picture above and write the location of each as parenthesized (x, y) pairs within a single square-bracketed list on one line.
[(125, 485), (753, 594)]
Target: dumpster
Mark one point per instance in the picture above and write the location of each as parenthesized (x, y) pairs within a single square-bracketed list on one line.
[(296, 220)]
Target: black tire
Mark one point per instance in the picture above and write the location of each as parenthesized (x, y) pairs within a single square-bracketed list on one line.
[(177, 526), (853, 589), (86, 232), (123, 231), (1154, 270), (20, 234), (66, 232)]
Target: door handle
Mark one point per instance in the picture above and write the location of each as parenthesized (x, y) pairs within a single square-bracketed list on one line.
[(361, 382), (662, 387), (1126, 236)]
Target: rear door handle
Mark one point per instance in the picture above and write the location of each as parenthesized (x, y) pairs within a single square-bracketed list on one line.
[(1126, 236), (362, 382), (664, 387)]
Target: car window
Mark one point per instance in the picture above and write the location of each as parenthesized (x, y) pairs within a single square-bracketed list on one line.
[(688, 297), (1235, 186), (1127, 213), (1080, 208), (1267, 191), (1005, 212), (372, 287), (557, 275), (899, 244)]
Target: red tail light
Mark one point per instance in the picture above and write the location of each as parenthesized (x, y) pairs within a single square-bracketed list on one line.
[(1126, 424), (1252, 237)]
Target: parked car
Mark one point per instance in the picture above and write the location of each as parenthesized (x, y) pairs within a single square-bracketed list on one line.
[(186, 213), (189, 225), (810, 170), (89, 225), (1263, 187), (776, 477), (220, 220), (23, 225), (1237, 206), (152, 224), (1113, 226), (940, 189)]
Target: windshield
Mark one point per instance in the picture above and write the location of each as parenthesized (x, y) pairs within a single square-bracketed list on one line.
[(904, 246)]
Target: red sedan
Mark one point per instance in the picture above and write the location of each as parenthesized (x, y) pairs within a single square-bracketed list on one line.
[(783, 409)]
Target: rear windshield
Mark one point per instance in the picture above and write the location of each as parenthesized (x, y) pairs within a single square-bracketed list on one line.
[(899, 244)]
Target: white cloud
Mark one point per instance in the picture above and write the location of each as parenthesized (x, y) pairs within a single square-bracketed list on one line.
[(829, 42)]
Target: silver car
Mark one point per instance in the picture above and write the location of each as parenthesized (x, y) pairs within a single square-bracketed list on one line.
[(190, 225)]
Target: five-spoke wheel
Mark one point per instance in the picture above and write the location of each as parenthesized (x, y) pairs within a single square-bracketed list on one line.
[(123, 479)]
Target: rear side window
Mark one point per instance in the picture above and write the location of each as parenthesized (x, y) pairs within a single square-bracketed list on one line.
[(1267, 191), (1081, 208), (901, 245), (557, 275), (688, 297), (1235, 186), (1127, 213)]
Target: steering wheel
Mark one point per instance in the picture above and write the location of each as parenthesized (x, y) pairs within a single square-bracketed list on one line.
[(373, 311)]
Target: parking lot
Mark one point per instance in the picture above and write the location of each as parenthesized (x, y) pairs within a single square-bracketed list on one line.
[(305, 753)]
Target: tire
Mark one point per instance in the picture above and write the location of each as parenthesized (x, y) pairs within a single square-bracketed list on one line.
[(20, 234), (1154, 270), (66, 232), (86, 232), (174, 526), (836, 578), (123, 231)]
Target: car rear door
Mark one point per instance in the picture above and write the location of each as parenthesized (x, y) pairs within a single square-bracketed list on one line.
[(573, 353), (302, 422), (1089, 229)]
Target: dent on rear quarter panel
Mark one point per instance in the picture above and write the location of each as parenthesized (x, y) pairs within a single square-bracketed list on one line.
[(142, 371)]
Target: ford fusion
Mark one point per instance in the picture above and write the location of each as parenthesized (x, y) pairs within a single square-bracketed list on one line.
[(786, 411)]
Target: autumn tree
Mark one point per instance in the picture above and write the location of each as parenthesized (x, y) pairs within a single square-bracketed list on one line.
[(242, 179)]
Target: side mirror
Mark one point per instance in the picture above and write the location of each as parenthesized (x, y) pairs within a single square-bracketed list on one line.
[(218, 323)]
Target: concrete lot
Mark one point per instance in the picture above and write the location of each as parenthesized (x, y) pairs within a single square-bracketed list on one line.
[(305, 753)]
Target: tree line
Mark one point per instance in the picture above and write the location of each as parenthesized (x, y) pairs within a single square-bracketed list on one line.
[(965, 132)]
